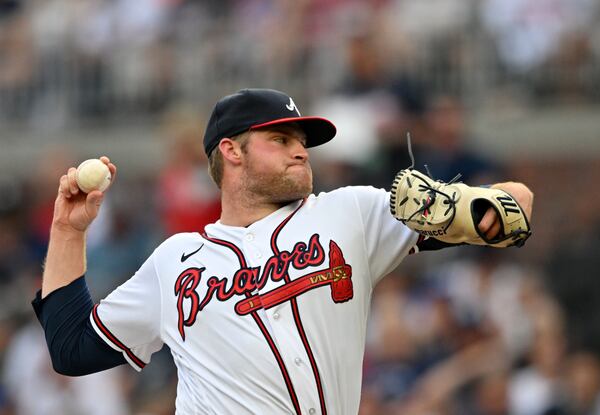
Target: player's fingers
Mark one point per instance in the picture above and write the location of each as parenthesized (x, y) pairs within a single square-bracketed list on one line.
[(93, 202), (490, 224), (494, 230), (487, 221), (63, 187), (113, 172), (111, 167), (72, 177)]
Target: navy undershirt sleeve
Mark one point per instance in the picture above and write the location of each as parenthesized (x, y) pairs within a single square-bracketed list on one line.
[(75, 347)]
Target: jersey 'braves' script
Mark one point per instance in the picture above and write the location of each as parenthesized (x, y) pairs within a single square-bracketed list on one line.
[(264, 319)]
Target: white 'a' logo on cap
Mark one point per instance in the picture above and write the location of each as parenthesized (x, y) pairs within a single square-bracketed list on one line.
[(292, 106)]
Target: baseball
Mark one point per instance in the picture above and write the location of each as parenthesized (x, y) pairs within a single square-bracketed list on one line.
[(93, 174)]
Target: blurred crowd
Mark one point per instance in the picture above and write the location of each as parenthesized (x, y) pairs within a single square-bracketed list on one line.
[(66, 60), (464, 331)]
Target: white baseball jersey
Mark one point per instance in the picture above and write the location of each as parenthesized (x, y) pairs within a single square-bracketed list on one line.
[(268, 318)]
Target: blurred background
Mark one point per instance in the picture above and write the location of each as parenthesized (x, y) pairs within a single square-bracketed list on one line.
[(493, 89)]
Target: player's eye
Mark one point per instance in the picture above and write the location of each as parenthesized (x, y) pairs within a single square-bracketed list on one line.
[(280, 139)]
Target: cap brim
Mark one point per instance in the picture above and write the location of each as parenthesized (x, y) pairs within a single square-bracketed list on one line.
[(318, 130)]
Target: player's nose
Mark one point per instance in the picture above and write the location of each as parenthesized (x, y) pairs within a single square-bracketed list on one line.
[(299, 151)]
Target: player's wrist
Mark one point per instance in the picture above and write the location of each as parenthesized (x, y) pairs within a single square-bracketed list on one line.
[(66, 232)]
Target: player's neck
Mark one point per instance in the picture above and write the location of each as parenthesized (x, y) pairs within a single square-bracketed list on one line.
[(237, 209)]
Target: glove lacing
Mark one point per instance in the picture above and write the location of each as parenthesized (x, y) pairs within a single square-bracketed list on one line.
[(432, 191)]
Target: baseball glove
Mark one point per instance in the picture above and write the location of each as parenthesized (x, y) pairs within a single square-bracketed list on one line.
[(450, 212)]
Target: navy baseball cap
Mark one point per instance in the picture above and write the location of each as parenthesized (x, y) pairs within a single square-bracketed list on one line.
[(250, 109)]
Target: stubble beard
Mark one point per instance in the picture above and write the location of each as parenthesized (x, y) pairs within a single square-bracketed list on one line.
[(281, 188)]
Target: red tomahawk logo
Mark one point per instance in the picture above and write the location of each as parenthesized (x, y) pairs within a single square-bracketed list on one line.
[(338, 276)]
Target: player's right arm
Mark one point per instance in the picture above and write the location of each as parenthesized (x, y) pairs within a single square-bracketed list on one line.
[(74, 211), (64, 304)]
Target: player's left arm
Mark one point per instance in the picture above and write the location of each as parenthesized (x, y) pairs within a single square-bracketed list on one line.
[(490, 224)]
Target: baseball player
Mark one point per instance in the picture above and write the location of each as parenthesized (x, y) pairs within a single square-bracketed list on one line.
[(264, 311)]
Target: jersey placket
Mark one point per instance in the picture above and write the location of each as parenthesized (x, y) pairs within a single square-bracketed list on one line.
[(281, 321)]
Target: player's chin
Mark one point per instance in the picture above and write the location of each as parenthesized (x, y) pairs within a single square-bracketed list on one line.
[(304, 184), (301, 174), (299, 190), (291, 190)]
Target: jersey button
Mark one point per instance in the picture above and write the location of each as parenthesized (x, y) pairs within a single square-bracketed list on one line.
[(312, 411), (298, 361), (249, 237), (276, 316)]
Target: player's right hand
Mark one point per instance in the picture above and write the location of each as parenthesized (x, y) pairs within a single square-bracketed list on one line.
[(75, 210)]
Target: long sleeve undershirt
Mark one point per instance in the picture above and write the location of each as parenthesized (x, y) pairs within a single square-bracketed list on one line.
[(75, 347)]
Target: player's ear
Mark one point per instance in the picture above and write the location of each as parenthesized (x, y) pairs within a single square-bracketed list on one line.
[(231, 150)]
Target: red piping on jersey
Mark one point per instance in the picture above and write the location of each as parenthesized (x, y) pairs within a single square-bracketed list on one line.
[(114, 340), (261, 326), (296, 314)]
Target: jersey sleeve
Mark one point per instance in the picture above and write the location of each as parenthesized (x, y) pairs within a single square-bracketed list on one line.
[(387, 240), (129, 318)]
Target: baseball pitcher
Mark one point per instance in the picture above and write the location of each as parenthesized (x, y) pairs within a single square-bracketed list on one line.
[(264, 311)]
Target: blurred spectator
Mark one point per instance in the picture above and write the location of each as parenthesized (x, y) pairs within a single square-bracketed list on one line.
[(573, 261), (420, 353), (373, 109), (538, 389), (65, 60), (424, 21), (42, 187), (123, 237), (50, 29), (391, 366), (35, 388), (447, 152), (144, 59), (447, 343), (422, 32), (583, 384), (491, 395), (355, 108), (93, 33), (16, 59), (528, 32), (480, 286), (14, 254), (187, 197)]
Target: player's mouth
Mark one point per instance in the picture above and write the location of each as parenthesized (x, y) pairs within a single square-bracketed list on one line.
[(303, 165)]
